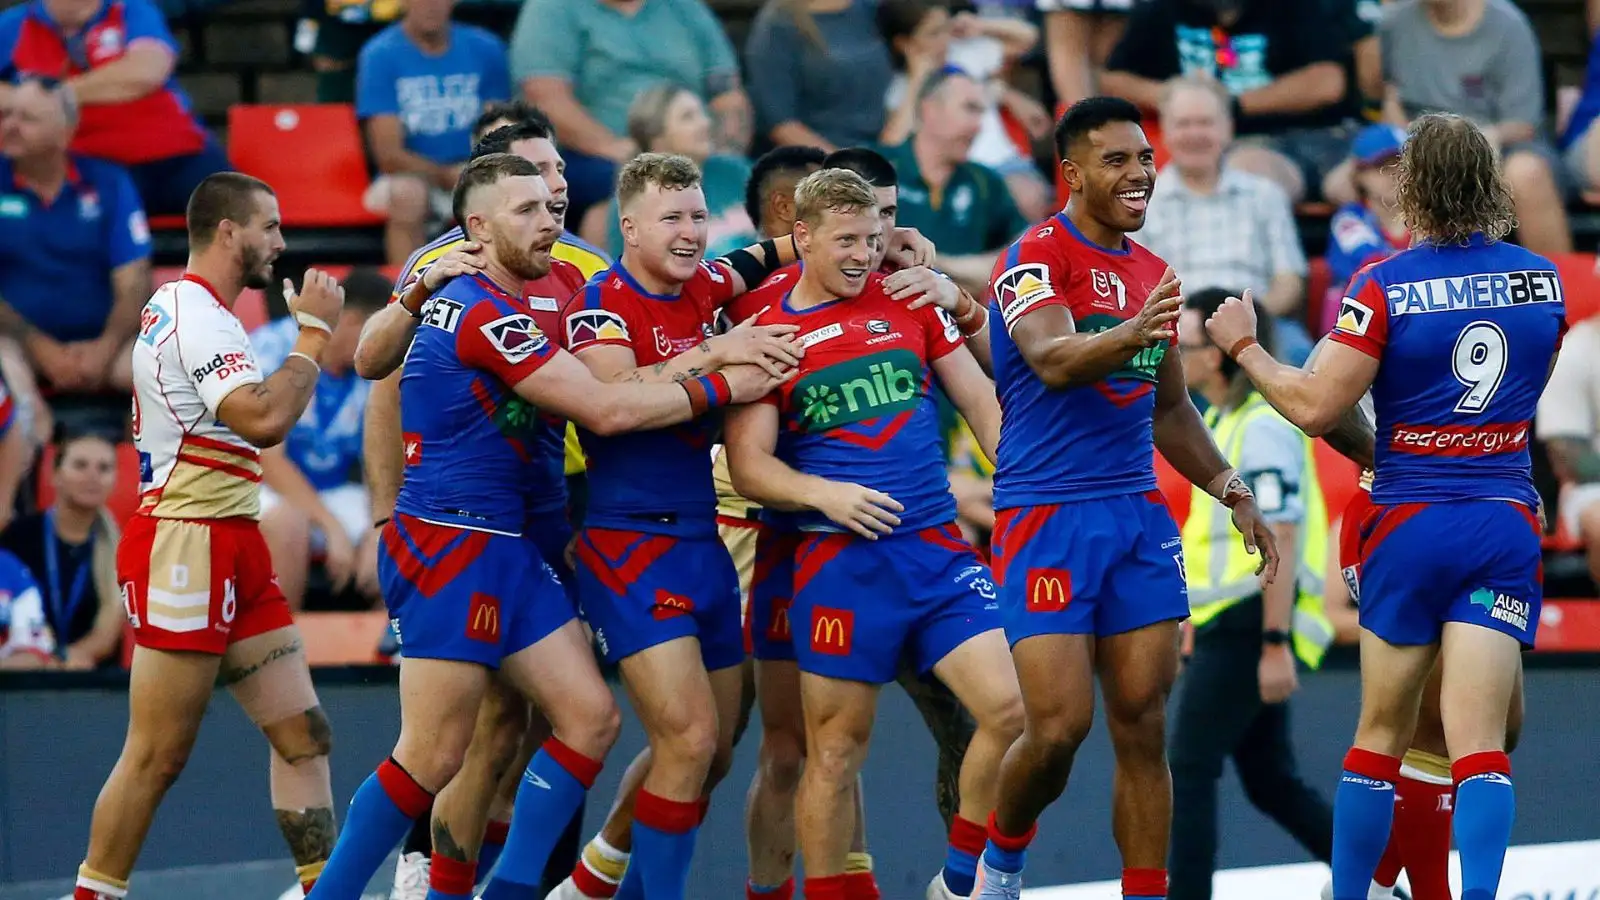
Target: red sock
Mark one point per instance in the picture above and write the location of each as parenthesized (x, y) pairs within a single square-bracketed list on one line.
[(452, 876), (1389, 866), (831, 887), (1144, 882), (1422, 820), (496, 832), (783, 891), (590, 884), (306, 886), (82, 892), (861, 886)]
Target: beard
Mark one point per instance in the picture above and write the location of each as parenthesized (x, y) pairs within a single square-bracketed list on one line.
[(257, 269), (524, 262)]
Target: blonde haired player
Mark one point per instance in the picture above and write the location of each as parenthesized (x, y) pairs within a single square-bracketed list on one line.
[(195, 573)]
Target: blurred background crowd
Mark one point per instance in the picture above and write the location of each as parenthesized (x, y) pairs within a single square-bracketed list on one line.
[(1274, 122)]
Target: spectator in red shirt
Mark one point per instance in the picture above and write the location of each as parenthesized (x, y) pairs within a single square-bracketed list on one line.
[(115, 59)]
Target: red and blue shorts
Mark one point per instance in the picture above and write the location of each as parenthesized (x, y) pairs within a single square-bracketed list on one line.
[(862, 607), (1472, 561), (1102, 567), (464, 595), (639, 589), (767, 626)]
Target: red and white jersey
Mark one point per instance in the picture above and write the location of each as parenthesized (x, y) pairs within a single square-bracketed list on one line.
[(191, 353)]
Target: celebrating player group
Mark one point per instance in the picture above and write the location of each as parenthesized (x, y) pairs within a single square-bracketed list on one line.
[(805, 369)]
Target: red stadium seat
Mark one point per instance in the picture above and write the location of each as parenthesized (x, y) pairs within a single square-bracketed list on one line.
[(312, 156), (124, 497), (1580, 285), (167, 223)]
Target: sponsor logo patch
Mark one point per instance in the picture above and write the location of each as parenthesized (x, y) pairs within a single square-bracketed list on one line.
[(515, 336)]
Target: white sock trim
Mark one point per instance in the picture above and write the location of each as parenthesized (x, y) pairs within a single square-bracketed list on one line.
[(604, 848)]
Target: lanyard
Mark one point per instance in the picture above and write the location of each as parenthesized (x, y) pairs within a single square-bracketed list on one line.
[(63, 609)]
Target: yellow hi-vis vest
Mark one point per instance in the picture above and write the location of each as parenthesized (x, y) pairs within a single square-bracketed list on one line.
[(1221, 572)]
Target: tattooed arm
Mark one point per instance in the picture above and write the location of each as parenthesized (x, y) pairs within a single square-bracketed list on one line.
[(618, 364)]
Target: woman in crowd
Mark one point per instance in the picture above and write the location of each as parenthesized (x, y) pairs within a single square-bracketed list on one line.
[(671, 119), (817, 73), (71, 549)]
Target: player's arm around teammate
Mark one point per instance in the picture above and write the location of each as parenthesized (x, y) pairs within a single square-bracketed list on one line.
[(921, 286), (243, 637)]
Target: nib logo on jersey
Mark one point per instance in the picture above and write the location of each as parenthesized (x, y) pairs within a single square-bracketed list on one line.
[(516, 418), (1503, 607), (880, 384), (1144, 364)]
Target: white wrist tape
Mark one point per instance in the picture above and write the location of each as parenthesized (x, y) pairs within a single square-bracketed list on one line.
[(307, 320)]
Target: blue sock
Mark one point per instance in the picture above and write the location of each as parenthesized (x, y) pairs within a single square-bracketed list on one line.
[(1363, 811), (1486, 803), (967, 840), (552, 789), (494, 842), (380, 814), (1004, 852), (663, 844), (631, 887)]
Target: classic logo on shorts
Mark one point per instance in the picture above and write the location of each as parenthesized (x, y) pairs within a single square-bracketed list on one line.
[(881, 384), (670, 606), (1048, 590), (832, 630), (1503, 607), (1143, 365), (483, 619)]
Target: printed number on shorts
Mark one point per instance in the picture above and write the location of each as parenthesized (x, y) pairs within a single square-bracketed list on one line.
[(1479, 361), (127, 604), (230, 602)]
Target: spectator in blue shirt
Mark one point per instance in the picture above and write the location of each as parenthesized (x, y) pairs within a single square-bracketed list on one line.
[(420, 85), (74, 248), (310, 500), (1371, 228)]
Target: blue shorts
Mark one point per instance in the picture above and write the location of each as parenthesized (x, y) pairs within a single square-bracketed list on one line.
[(638, 590), (1473, 561), (865, 606), (1103, 567), (466, 595), (772, 594)]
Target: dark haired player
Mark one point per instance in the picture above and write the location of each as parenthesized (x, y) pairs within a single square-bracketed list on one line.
[(1088, 559)]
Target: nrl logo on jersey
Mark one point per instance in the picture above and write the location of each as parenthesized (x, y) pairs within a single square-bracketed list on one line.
[(1108, 286)]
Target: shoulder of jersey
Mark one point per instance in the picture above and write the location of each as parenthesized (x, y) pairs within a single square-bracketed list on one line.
[(588, 258)]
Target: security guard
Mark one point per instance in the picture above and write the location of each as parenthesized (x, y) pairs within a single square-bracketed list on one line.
[(1248, 638)]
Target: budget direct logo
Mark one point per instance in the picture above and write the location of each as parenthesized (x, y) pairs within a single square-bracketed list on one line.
[(225, 365), (1503, 607), (880, 384)]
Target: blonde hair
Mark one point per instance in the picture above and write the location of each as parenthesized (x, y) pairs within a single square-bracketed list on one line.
[(647, 114), (1450, 183), (831, 190), (1210, 86), (667, 171)]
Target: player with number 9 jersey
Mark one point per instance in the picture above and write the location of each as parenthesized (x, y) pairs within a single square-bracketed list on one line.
[(1465, 336)]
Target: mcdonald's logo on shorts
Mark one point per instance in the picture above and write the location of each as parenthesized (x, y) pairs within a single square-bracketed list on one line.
[(1048, 590), (483, 619), (832, 630), (669, 605), (778, 630)]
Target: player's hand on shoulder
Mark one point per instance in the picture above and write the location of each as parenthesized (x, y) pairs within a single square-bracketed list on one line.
[(866, 512), (922, 286), (1157, 321), (748, 383), (465, 258), (1233, 321), (775, 348), (318, 302), (907, 248)]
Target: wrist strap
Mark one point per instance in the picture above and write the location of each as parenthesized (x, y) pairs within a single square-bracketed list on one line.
[(1229, 488), (307, 320), (1241, 345), (973, 320), (308, 358), (706, 392)]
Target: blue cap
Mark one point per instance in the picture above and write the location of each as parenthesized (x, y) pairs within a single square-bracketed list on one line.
[(1376, 144)]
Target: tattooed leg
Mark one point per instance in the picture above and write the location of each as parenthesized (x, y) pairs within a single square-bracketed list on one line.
[(951, 728)]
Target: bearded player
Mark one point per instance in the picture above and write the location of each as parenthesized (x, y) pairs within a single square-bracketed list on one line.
[(1455, 337), (196, 575), (882, 572), (504, 718), (1088, 558)]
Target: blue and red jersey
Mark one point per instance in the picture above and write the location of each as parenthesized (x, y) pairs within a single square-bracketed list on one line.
[(471, 443), (1464, 337), (657, 482), (1081, 443), (861, 408), (158, 125)]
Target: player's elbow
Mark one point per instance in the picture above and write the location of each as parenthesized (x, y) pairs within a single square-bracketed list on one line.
[(1316, 421), (611, 419), (371, 363)]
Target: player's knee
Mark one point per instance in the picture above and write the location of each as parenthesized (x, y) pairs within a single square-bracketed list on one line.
[(161, 762), (782, 758), (1005, 721), (408, 200), (301, 738), (1139, 733), (1061, 732), (836, 755)]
